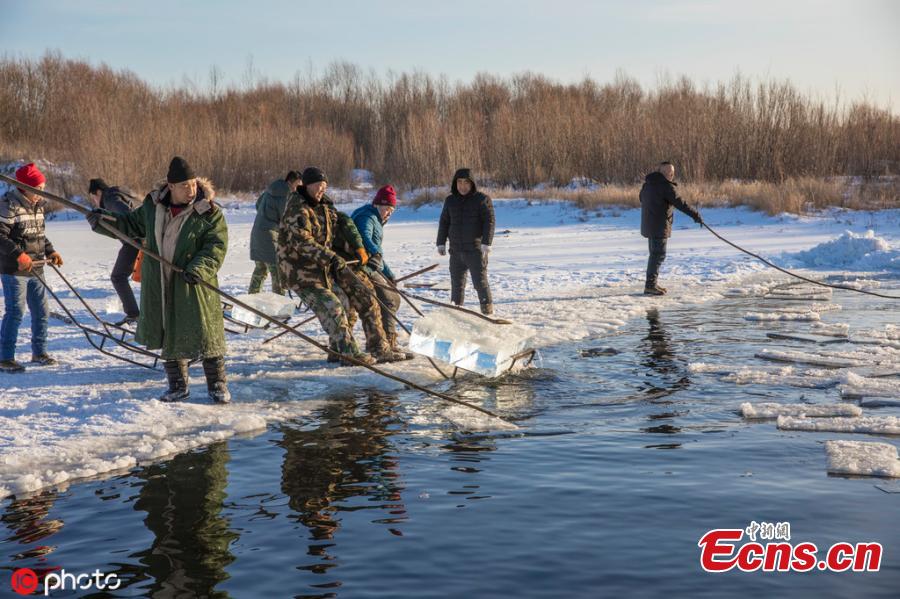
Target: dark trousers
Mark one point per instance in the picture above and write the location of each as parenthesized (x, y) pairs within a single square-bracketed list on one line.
[(120, 277), (463, 262), (657, 256)]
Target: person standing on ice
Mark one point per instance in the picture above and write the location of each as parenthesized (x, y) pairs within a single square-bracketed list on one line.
[(370, 220), (307, 262), (467, 220), (269, 208), (119, 200), (658, 196), (180, 222), (22, 242)]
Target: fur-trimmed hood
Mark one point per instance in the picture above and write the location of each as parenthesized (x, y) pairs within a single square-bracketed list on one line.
[(206, 193)]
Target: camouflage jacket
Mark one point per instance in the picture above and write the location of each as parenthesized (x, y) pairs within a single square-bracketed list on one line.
[(305, 239)]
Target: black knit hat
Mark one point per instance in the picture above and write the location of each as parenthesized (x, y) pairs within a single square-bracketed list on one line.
[(96, 185), (312, 175), (179, 171)]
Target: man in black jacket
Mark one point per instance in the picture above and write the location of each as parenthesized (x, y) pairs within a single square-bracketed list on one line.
[(658, 196), (120, 201), (468, 221)]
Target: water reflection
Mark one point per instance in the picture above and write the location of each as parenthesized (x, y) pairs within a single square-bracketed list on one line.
[(26, 518), (345, 465), (666, 377), (183, 499)]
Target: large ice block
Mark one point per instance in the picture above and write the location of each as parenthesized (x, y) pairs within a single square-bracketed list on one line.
[(468, 342), (272, 304)]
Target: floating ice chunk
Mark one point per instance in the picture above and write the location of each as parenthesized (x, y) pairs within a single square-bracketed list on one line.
[(856, 386), (879, 425), (276, 306), (834, 329), (807, 316), (468, 342), (862, 458), (825, 361), (774, 410)]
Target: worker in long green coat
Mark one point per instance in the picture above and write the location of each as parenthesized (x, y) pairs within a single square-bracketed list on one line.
[(179, 221)]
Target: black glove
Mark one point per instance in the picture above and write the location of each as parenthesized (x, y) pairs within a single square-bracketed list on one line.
[(376, 262), (191, 278), (94, 217), (697, 218)]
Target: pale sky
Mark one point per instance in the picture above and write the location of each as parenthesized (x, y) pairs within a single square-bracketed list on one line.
[(822, 46)]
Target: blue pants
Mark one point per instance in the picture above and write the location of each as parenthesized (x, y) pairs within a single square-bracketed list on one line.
[(17, 292)]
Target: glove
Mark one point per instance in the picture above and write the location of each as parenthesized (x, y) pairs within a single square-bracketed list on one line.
[(376, 262), (697, 218), (24, 261), (191, 278), (363, 256), (338, 263), (55, 259), (94, 217), (442, 249), (485, 249)]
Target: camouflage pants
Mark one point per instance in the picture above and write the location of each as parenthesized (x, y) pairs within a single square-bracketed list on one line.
[(360, 294), (327, 307), (259, 277)]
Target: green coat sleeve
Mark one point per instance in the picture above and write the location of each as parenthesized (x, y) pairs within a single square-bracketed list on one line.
[(208, 259), (133, 224)]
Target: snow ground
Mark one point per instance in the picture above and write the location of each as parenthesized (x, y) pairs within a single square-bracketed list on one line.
[(567, 274)]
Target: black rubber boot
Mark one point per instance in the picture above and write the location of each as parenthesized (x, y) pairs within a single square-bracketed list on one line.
[(214, 368), (177, 375)]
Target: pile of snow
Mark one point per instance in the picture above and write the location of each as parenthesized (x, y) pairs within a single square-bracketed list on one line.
[(852, 251), (806, 316), (774, 410), (879, 425), (862, 458)]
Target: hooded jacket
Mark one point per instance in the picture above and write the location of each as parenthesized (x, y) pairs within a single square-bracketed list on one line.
[(368, 221), (183, 320), (269, 208), (21, 230), (467, 221), (658, 196)]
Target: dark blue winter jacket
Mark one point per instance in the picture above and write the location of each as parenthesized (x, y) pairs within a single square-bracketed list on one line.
[(368, 221)]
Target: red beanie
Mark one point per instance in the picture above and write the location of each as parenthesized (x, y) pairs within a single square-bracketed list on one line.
[(386, 196), (30, 175)]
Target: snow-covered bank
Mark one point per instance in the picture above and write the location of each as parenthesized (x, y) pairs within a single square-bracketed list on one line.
[(568, 275)]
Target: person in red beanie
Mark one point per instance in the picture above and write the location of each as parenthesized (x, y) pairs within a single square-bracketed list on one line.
[(22, 243), (370, 220)]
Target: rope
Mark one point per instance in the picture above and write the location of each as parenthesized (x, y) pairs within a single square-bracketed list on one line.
[(795, 275)]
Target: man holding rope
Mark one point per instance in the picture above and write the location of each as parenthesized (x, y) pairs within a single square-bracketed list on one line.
[(658, 196), (22, 243)]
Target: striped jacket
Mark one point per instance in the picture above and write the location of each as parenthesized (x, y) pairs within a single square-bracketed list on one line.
[(21, 230)]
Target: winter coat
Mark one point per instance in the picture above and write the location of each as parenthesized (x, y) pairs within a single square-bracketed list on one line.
[(368, 222), (468, 221), (347, 240), (305, 239), (118, 200), (183, 320), (21, 230), (269, 208), (658, 196)]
